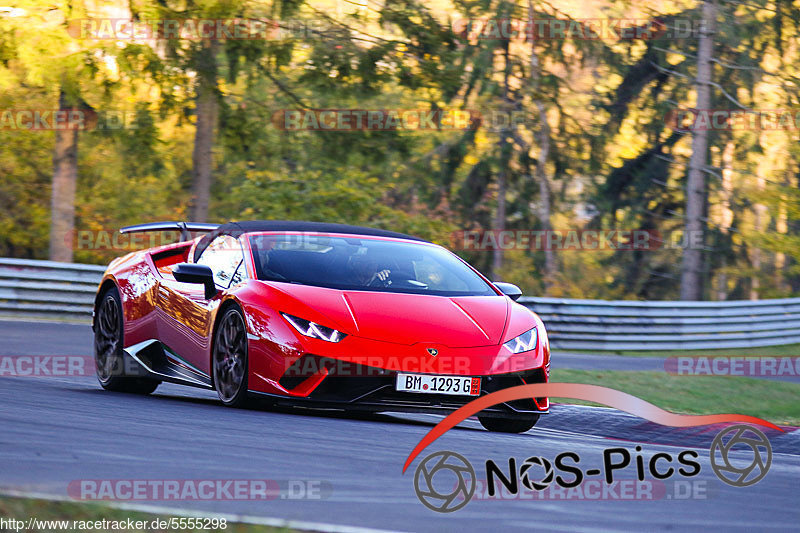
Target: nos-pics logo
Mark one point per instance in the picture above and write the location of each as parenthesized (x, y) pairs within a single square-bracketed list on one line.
[(445, 481)]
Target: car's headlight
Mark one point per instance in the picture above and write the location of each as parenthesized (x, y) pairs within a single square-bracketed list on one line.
[(314, 330), (523, 343)]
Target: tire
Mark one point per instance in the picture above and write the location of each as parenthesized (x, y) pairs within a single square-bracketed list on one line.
[(108, 343), (509, 425), (229, 359)]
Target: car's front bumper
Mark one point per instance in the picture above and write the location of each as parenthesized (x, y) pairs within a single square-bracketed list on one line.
[(325, 384)]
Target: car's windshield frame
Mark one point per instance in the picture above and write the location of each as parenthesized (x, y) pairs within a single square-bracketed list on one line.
[(437, 252)]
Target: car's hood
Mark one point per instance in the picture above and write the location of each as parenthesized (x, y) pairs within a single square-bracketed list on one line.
[(457, 322)]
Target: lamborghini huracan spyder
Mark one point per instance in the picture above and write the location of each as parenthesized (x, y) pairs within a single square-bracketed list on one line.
[(317, 315)]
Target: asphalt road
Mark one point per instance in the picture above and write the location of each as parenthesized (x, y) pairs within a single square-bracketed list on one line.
[(56, 430)]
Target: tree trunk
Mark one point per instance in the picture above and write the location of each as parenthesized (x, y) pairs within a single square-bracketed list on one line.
[(761, 222), (500, 214), (725, 216), (691, 268), (755, 252), (502, 175), (781, 227), (543, 138), (62, 200), (207, 109), (722, 281)]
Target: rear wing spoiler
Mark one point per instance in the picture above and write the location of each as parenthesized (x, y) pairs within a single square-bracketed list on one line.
[(183, 227)]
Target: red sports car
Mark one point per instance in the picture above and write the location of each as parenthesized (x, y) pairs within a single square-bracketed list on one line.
[(318, 315)]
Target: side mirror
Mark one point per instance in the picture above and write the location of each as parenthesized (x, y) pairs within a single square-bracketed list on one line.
[(509, 289), (191, 273)]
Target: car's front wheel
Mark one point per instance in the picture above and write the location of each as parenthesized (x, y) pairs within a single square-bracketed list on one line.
[(230, 358), (108, 343), (509, 425)]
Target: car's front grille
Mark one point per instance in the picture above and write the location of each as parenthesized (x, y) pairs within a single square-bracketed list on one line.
[(355, 384)]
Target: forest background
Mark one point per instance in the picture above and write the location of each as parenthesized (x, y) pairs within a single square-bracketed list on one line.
[(675, 118)]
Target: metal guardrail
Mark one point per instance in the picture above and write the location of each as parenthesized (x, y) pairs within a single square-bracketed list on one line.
[(46, 289), (632, 325)]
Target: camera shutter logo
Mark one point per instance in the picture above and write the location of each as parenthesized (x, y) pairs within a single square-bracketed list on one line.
[(533, 484), (741, 438), (451, 467)]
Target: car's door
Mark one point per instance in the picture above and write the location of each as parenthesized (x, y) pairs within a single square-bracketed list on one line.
[(185, 324)]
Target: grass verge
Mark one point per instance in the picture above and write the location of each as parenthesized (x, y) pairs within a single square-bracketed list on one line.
[(776, 401), (787, 350), (51, 517)]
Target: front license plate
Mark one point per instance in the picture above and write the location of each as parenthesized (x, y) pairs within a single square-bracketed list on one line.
[(458, 385)]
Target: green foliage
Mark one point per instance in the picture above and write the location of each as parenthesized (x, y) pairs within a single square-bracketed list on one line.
[(613, 161)]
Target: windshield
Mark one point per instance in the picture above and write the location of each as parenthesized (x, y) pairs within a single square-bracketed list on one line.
[(357, 263)]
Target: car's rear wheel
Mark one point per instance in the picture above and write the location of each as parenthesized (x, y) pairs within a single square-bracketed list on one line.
[(108, 343), (509, 425), (230, 358)]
